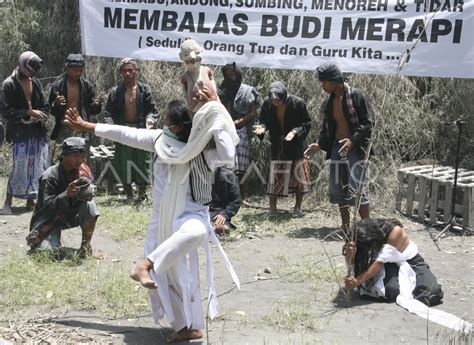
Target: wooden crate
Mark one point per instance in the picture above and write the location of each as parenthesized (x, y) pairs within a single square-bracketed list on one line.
[(101, 159), (425, 192)]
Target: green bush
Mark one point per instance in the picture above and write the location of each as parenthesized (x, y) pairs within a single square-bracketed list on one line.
[(410, 111)]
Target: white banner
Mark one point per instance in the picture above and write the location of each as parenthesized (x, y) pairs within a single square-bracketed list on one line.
[(413, 37)]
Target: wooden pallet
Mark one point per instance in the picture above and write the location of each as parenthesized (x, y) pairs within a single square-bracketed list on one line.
[(426, 193), (101, 158)]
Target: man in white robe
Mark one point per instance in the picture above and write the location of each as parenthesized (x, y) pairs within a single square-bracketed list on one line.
[(180, 219)]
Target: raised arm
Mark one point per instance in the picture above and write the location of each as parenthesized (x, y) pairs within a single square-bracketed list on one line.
[(139, 138), (224, 153)]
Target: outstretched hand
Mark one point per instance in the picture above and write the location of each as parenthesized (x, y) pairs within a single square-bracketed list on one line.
[(74, 121)]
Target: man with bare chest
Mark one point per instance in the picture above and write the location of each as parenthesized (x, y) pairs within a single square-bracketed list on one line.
[(71, 90), (346, 131), (131, 104), (25, 108)]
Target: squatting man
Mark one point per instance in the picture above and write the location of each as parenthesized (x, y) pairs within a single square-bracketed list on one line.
[(65, 201)]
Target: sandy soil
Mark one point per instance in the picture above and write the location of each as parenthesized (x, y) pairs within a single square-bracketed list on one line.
[(287, 305)]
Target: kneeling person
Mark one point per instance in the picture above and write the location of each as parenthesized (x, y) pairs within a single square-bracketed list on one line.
[(387, 264), (65, 200), (225, 200)]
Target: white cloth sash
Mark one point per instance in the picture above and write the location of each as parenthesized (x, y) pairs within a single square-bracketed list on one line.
[(407, 281)]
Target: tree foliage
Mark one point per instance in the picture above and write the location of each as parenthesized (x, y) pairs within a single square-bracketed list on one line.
[(50, 28), (411, 112)]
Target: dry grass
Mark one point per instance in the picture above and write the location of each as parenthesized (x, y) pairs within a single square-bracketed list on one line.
[(45, 331), (292, 314), (124, 222), (42, 281)]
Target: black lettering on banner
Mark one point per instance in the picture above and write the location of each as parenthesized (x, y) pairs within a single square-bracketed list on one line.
[(187, 23), (395, 27), (149, 22), (285, 24), (417, 31), (329, 52), (352, 31), (316, 27), (239, 21), (373, 29), (201, 21), (443, 27), (255, 48), (350, 5), (457, 31), (440, 27), (221, 24), (169, 22), (306, 27), (438, 5), (130, 19), (281, 4), (113, 21), (269, 25), (288, 26)]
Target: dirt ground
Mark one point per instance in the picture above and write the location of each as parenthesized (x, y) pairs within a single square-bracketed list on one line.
[(288, 294)]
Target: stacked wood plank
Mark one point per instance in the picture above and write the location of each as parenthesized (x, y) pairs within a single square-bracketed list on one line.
[(426, 192)]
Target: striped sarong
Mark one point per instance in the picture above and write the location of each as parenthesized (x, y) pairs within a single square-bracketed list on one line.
[(30, 160), (242, 154)]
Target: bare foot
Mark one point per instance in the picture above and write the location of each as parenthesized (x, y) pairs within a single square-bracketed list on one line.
[(223, 229), (184, 334), (6, 210), (141, 273), (30, 205), (297, 213), (84, 252)]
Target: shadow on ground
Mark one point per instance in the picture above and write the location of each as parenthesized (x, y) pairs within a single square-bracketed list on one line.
[(131, 334), (341, 301), (323, 233), (71, 255), (16, 211)]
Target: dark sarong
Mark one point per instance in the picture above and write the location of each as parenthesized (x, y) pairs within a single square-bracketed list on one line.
[(132, 165), (427, 289)]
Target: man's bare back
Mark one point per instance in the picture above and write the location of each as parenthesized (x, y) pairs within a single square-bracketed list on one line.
[(398, 238)]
